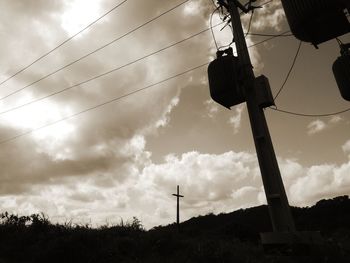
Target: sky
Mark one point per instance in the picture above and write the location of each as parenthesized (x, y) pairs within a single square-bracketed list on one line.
[(125, 158)]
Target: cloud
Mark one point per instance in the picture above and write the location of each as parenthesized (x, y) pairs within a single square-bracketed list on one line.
[(320, 181), (164, 120), (316, 126), (228, 181), (91, 143), (273, 16), (319, 125), (335, 119), (73, 19), (210, 183), (235, 120), (96, 167), (212, 108), (346, 147)]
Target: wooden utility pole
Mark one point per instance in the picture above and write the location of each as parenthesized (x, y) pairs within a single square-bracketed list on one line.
[(281, 218), (276, 197), (178, 205)]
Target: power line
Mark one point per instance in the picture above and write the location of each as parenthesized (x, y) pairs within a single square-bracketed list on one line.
[(263, 4), (211, 26), (103, 104), (289, 72), (118, 68), (265, 40), (94, 51), (120, 97), (259, 34), (249, 26), (270, 35), (61, 44), (268, 39), (267, 2), (105, 73), (310, 115), (250, 23)]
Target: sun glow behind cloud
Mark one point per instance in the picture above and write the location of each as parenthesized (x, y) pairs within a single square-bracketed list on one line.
[(38, 115), (192, 8), (79, 13)]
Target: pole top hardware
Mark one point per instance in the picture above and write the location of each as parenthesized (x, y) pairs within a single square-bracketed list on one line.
[(246, 8)]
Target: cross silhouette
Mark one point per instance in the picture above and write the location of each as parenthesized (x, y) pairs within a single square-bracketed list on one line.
[(178, 205)]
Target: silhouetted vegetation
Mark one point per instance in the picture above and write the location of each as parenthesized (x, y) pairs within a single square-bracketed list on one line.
[(232, 237)]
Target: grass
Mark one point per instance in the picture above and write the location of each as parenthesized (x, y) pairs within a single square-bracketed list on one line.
[(230, 237)]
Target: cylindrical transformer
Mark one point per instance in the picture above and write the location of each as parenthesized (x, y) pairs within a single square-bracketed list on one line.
[(223, 81), (317, 21), (341, 70)]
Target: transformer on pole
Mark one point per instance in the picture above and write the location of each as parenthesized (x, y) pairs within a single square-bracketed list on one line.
[(317, 21), (341, 71)]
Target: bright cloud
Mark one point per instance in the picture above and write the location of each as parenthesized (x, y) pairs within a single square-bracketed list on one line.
[(209, 182), (335, 119), (346, 147), (321, 181), (273, 15), (316, 126), (319, 125), (212, 108), (164, 120), (235, 120), (74, 19), (192, 8)]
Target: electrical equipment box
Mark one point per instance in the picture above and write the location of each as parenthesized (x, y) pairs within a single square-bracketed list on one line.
[(341, 70), (223, 80), (263, 92), (317, 21)]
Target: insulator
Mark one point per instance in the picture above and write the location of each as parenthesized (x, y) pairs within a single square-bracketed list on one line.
[(341, 70), (317, 21), (223, 81)]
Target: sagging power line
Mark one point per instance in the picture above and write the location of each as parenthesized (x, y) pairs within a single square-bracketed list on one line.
[(153, 53), (121, 67), (289, 71), (96, 50), (270, 35), (61, 44), (103, 103), (310, 115)]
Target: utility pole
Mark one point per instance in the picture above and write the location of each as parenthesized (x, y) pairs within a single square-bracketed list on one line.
[(284, 230), (178, 206)]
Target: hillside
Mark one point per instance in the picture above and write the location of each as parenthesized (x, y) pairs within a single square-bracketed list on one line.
[(232, 237)]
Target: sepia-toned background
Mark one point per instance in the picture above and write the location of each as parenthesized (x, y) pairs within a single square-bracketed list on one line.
[(125, 158)]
